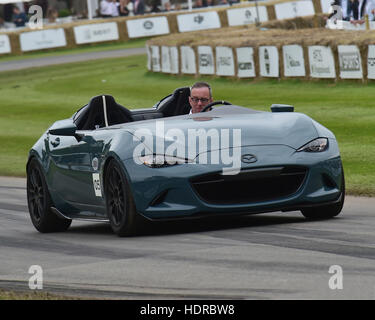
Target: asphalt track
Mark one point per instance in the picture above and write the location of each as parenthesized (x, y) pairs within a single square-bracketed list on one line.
[(68, 58), (268, 256)]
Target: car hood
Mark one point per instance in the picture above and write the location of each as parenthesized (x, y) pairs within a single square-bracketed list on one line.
[(255, 128)]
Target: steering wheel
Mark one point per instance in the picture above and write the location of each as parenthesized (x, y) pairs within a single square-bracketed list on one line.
[(210, 105)]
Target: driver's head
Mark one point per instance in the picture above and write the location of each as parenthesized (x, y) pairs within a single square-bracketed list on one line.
[(200, 96)]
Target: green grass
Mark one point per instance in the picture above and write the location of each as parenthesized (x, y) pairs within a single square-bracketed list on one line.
[(31, 100), (134, 43), (31, 295)]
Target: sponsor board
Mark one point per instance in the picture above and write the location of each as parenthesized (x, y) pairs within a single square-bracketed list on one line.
[(289, 10), (206, 60), (4, 44), (242, 16), (224, 61), (245, 62), (322, 63), (155, 58), (43, 39), (165, 60), (188, 65), (371, 62), (350, 62), (138, 28), (198, 21), (149, 58), (173, 53), (269, 61), (98, 32), (294, 62)]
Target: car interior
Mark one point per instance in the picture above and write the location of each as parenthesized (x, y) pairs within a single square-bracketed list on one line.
[(103, 110)]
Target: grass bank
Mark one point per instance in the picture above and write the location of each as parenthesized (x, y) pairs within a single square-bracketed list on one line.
[(31, 100)]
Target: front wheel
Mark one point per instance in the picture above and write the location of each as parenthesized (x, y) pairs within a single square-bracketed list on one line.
[(40, 203), (120, 205)]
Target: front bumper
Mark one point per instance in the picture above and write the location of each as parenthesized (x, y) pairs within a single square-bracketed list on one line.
[(168, 193)]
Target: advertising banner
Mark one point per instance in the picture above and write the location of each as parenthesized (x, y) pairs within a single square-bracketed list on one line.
[(155, 58), (322, 62), (4, 44), (147, 27), (371, 62), (165, 60), (188, 64), (242, 16), (98, 32), (245, 62), (206, 60), (289, 10), (149, 58), (269, 61), (294, 62), (350, 62), (173, 53), (43, 39), (224, 61), (198, 21)]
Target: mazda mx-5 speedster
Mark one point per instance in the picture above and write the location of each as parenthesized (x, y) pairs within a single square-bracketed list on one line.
[(108, 163)]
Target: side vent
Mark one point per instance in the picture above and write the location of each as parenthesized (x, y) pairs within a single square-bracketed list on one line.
[(282, 108)]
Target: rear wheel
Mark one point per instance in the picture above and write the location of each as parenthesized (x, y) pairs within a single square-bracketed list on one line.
[(40, 203), (327, 211), (121, 209)]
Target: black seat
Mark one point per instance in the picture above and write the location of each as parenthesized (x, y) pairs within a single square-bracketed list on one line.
[(94, 116), (177, 104)]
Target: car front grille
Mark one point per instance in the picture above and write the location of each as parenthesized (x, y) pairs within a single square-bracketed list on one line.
[(255, 185)]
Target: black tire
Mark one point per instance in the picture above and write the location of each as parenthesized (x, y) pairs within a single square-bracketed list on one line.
[(121, 209), (327, 211), (40, 203)]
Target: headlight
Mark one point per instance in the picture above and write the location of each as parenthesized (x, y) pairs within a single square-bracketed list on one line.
[(160, 161), (317, 145)]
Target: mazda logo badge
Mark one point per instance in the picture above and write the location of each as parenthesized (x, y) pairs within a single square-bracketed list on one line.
[(249, 158)]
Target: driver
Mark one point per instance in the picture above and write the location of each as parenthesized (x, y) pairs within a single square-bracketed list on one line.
[(200, 96)]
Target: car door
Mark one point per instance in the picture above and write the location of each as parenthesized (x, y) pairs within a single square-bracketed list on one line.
[(71, 170)]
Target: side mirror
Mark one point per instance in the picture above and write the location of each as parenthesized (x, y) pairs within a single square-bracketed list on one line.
[(282, 108), (63, 128)]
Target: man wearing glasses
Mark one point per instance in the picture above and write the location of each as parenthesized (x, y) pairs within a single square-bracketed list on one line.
[(200, 96)]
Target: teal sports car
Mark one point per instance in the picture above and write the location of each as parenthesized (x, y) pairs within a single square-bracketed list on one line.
[(111, 164)]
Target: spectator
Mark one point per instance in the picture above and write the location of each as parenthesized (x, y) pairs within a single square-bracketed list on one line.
[(366, 7), (167, 7), (2, 23), (155, 6), (108, 9), (19, 18), (130, 8), (8, 12), (139, 7), (208, 3), (198, 4), (352, 10), (123, 8), (52, 15)]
